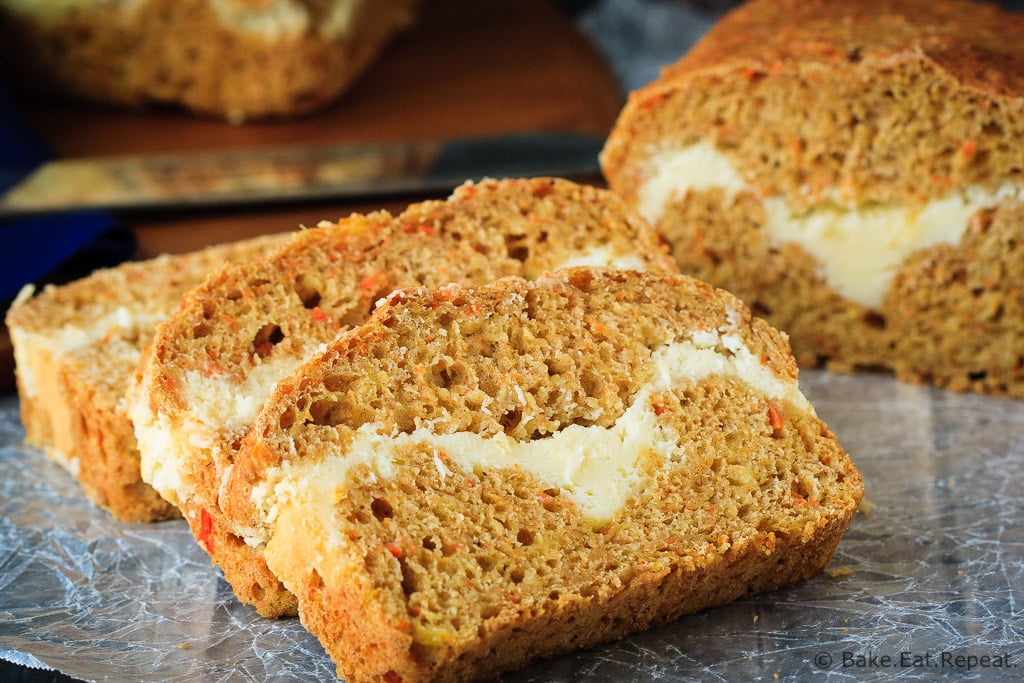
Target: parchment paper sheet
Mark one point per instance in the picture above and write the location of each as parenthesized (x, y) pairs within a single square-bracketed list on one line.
[(928, 585)]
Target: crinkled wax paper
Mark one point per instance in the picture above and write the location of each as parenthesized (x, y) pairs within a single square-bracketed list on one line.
[(929, 584)]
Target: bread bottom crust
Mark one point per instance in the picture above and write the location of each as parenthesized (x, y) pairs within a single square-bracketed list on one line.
[(244, 566), (367, 650)]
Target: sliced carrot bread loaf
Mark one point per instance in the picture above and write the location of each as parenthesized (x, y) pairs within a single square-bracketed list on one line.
[(479, 477), (215, 361), (853, 171), (233, 59), (76, 346)]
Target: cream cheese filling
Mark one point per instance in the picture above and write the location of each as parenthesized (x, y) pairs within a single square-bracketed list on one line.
[(597, 467), (217, 406), (859, 250), (603, 255), (276, 19), (69, 338), (159, 453)]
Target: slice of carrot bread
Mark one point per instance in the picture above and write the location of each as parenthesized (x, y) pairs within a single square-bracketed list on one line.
[(476, 478), (76, 346), (852, 171), (215, 361)]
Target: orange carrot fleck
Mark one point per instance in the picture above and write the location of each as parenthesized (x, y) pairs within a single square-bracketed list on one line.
[(649, 103), (205, 533), (394, 550), (776, 419), (369, 283)]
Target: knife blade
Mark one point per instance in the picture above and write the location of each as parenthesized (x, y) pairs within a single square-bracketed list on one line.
[(276, 174)]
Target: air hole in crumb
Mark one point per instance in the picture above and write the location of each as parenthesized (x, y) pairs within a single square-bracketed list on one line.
[(592, 383), (554, 595), (287, 419), (486, 563), (977, 376), (382, 509), (992, 129), (200, 331), (325, 413), (446, 376), (525, 537), (335, 383), (875, 320), (516, 575), (518, 251), (428, 544), (409, 583), (511, 419), (268, 336), (308, 294)]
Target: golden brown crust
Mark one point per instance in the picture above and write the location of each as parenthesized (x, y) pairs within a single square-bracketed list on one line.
[(847, 106), (887, 100), (460, 573), (181, 52)]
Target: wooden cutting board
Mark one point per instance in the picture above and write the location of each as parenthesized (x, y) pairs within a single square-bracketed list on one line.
[(469, 67)]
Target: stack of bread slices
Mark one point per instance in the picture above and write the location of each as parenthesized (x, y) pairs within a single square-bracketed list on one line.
[(486, 430)]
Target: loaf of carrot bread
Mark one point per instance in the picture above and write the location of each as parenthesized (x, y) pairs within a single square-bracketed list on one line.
[(76, 346), (236, 59), (478, 477), (215, 361), (853, 171)]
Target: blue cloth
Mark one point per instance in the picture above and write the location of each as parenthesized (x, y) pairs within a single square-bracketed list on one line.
[(32, 248)]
